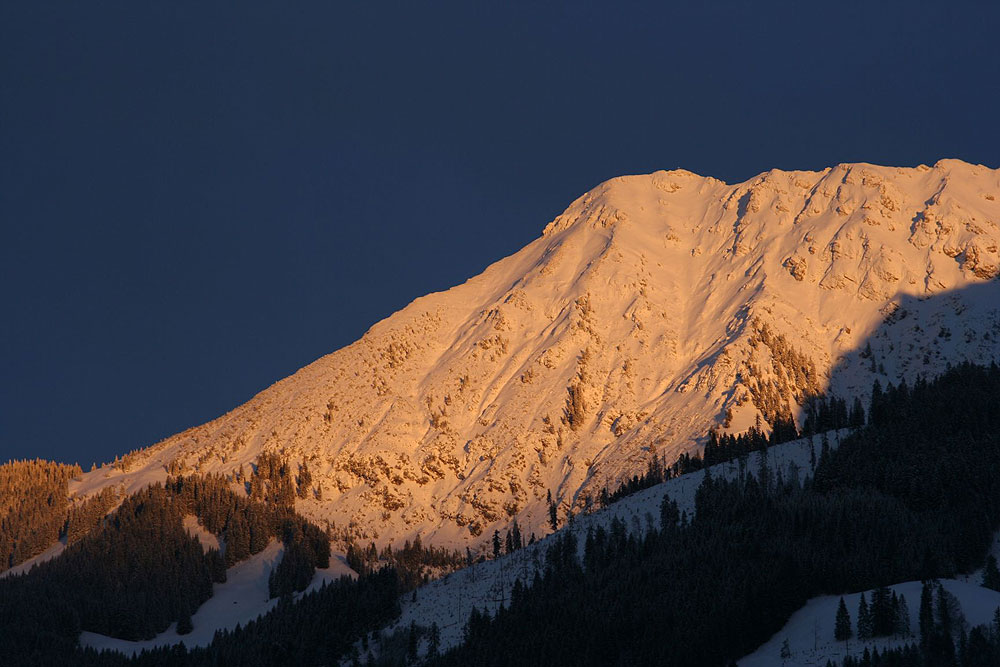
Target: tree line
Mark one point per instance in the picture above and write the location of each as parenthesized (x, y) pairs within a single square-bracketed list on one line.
[(138, 570), (915, 494)]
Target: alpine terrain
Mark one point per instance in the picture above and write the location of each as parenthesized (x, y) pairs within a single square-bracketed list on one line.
[(655, 308)]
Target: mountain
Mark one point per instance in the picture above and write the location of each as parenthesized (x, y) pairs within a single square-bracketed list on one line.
[(653, 309)]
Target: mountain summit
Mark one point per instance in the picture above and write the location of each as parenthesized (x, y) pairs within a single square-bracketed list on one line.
[(654, 308)]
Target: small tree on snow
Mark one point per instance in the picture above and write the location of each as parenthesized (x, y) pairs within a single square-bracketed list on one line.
[(991, 575), (842, 626), (864, 619), (902, 617)]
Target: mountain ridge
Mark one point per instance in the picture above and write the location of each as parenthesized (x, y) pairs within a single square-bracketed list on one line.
[(654, 308)]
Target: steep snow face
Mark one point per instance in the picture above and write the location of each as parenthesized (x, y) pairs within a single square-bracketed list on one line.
[(652, 309)]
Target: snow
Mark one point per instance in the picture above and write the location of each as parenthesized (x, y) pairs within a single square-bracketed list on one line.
[(645, 296), (448, 601), (208, 540), (810, 630), (242, 598)]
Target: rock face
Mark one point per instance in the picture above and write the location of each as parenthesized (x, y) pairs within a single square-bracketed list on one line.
[(654, 308)]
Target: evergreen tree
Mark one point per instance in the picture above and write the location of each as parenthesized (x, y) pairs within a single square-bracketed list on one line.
[(413, 641), (926, 619), (883, 612), (496, 544), (991, 575), (902, 617), (944, 615), (864, 619), (515, 536), (842, 625), (304, 480), (434, 641), (857, 418), (669, 513), (184, 625)]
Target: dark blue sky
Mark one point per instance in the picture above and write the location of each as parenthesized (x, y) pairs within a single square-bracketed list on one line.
[(197, 199)]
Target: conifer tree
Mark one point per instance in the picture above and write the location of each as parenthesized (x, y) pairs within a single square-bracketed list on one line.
[(304, 480), (902, 617), (842, 626), (991, 575), (944, 615), (669, 513), (434, 641), (184, 625), (926, 619), (864, 619)]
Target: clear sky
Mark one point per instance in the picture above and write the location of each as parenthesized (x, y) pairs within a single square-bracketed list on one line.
[(197, 198)]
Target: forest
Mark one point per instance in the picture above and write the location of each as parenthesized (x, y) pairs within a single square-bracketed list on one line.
[(33, 507), (915, 494), (138, 570), (912, 494)]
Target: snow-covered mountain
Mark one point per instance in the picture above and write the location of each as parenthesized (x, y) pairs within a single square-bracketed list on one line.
[(652, 309)]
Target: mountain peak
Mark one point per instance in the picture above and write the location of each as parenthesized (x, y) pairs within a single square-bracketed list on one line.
[(654, 308)]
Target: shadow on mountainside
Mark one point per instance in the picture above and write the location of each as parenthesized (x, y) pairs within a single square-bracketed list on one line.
[(922, 337)]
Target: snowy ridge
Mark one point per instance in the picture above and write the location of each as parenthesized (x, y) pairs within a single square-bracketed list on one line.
[(652, 309)]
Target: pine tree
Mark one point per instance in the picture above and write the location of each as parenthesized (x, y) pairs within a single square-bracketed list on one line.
[(991, 575), (926, 615), (902, 617), (515, 536), (184, 625), (413, 641), (669, 513), (304, 480), (842, 626), (944, 615), (496, 544), (882, 612), (864, 619), (857, 418), (434, 641), (553, 514)]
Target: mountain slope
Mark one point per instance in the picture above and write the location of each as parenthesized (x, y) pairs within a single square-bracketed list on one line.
[(652, 309)]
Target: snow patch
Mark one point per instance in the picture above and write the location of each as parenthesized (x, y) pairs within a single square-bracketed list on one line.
[(810, 630), (208, 540)]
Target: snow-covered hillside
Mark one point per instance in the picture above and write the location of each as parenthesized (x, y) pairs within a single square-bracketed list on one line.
[(449, 601), (653, 308), (242, 598), (809, 632)]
